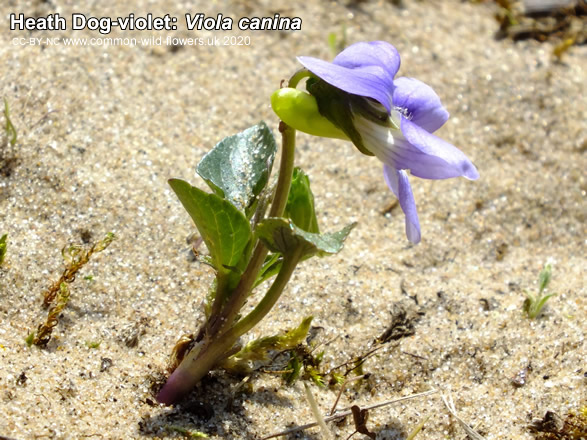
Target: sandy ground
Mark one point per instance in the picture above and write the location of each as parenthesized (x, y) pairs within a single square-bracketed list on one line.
[(101, 129)]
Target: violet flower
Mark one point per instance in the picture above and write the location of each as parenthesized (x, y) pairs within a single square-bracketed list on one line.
[(392, 119)]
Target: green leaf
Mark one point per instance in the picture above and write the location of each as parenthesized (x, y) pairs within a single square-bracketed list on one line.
[(224, 229), (238, 167), (281, 235), (533, 305), (295, 368), (300, 203), (544, 277), (271, 267), (258, 349)]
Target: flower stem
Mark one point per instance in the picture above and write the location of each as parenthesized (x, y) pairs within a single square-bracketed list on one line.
[(245, 285), (286, 167), (266, 304), (213, 342), (297, 77), (204, 357)]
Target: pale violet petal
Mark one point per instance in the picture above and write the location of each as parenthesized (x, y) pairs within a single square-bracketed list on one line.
[(364, 69), (421, 103), (374, 53), (398, 182), (390, 176), (367, 81), (430, 157), (413, 148)]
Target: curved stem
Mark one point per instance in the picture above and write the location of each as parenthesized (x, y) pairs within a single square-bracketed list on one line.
[(193, 368), (208, 353), (286, 167), (213, 343), (266, 304), (245, 285), (297, 77)]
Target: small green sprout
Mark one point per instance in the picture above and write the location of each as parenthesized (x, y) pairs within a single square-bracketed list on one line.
[(337, 378), (9, 127), (417, 429), (534, 303), (188, 433), (30, 338), (3, 247), (335, 44), (293, 368), (93, 344), (89, 278)]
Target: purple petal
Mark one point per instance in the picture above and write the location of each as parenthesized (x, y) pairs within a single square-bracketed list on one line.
[(374, 53), (398, 182), (421, 102), (364, 69), (413, 148), (429, 157)]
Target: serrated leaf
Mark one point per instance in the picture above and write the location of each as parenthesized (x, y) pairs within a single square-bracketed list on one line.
[(238, 167), (300, 203), (281, 235), (224, 229)]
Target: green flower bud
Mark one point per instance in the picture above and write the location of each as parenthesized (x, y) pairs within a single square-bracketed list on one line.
[(299, 110)]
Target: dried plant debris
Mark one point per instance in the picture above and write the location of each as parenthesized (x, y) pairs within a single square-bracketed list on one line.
[(105, 364), (360, 417), (58, 294), (543, 20), (520, 379), (450, 406), (554, 427), (326, 434), (418, 428), (401, 325), (76, 257), (131, 333), (345, 412), (183, 346), (403, 320), (43, 335)]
